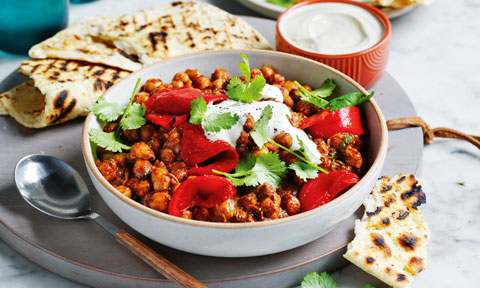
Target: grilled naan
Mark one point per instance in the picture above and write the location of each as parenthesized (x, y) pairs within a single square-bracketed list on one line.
[(390, 240), (179, 28), (60, 90), (75, 43)]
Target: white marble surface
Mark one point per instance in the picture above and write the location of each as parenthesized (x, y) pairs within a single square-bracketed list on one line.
[(434, 56)]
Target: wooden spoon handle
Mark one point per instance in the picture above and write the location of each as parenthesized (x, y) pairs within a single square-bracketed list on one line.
[(159, 263)]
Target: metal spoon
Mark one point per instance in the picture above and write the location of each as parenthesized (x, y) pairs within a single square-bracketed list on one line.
[(55, 188)]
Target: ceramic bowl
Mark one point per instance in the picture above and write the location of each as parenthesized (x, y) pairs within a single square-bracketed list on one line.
[(241, 239), (366, 67)]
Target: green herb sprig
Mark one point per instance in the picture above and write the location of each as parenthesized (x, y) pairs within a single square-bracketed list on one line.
[(132, 118), (210, 122), (247, 91), (323, 280)]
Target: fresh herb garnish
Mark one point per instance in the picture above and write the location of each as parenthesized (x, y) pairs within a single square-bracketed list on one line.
[(368, 286), (348, 100), (260, 136), (106, 111), (210, 122), (316, 97), (314, 280), (132, 118), (253, 171), (282, 3), (461, 183), (247, 91), (302, 169)]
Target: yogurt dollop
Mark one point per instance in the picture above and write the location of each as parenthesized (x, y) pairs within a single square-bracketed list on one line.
[(331, 28), (279, 122)]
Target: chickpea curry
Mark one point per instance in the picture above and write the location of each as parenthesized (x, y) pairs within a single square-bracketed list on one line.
[(231, 149)]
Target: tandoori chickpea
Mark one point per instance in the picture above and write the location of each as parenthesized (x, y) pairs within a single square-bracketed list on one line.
[(141, 150), (202, 82), (291, 204), (220, 73), (141, 188), (141, 97), (218, 84), (267, 71), (125, 190), (225, 211), (284, 139), (159, 201), (249, 123), (142, 168), (182, 77), (177, 84), (160, 179), (167, 155), (152, 84), (255, 72), (193, 74)]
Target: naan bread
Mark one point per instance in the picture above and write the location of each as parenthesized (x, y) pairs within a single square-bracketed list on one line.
[(61, 90), (75, 43), (390, 240), (179, 28)]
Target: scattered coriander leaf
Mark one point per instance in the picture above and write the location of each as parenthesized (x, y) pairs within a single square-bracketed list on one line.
[(247, 91), (109, 141), (461, 183), (303, 170), (134, 118), (218, 121), (307, 96), (106, 111), (254, 171), (127, 109), (326, 89), (348, 100), (313, 280), (245, 67), (368, 286), (210, 122), (307, 152), (282, 3), (345, 142), (198, 108), (260, 130)]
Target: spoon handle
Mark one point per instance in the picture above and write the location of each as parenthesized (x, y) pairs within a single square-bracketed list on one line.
[(159, 263)]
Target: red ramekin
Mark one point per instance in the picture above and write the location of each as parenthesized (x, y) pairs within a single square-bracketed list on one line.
[(366, 66)]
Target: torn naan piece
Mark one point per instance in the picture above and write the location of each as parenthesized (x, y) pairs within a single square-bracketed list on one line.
[(60, 90), (400, 4), (179, 28), (76, 44), (391, 239)]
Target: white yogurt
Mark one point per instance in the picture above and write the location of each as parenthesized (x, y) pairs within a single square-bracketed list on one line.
[(278, 123), (331, 28)]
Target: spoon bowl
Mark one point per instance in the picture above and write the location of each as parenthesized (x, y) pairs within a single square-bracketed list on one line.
[(53, 187)]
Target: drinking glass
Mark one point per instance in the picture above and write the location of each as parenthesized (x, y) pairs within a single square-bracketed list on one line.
[(24, 23)]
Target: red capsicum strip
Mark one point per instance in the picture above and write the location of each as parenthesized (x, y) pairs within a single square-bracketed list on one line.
[(200, 191), (326, 124), (197, 149), (176, 101), (167, 121), (321, 190)]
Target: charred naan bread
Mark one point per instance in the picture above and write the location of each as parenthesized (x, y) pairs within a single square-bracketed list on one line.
[(179, 28), (75, 43), (60, 90), (390, 240), (400, 3)]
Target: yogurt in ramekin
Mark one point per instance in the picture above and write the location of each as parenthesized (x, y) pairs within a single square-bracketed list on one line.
[(332, 28)]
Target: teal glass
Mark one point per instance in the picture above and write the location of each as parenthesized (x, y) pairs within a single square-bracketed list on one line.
[(24, 23)]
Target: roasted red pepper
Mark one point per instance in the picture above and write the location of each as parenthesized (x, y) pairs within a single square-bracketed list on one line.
[(316, 192), (167, 121), (326, 124), (196, 150), (200, 191), (177, 101)]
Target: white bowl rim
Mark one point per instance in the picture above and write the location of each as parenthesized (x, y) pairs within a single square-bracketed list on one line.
[(86, 150)]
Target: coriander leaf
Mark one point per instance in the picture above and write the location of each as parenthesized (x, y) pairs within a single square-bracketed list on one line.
[(210, 122), (247, 91), (303, 170), (313, 280), (254, 89), (325, 90), (254, 171), (307, 96), (106, 111), (282, 3), (218, 121), (198, 108), (368, 286), (461, 183), (260, 130), (107, 140), (133, 118), (348, 100), (245, 67)]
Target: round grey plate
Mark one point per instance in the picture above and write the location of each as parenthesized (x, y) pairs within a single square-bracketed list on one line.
[(83, 252)]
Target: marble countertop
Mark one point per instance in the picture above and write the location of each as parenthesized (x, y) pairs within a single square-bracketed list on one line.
[(434, 56)]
